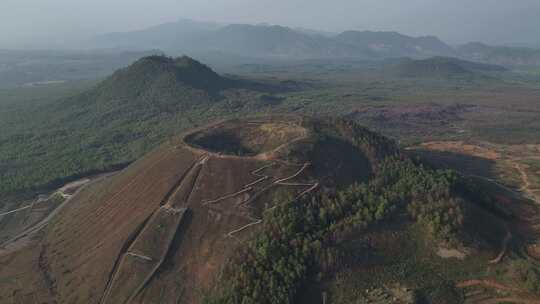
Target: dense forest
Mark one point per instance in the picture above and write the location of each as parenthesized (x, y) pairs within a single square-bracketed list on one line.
[(301, 239), (54, 134), (116, 121)]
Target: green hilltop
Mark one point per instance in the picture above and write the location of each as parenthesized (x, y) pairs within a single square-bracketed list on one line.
[(116, 121)]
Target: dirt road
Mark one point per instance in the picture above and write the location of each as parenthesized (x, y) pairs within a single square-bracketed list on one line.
[(20, 240), (526, 183)]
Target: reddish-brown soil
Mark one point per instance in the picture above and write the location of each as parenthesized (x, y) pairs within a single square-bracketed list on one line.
[(161, 230), (486, 283), (506, 157), (519, 198), (518, 295), (462, 147), (88, 237), (515, 300), (24, 278)]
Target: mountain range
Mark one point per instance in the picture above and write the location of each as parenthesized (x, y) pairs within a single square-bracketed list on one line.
[(245, 42)]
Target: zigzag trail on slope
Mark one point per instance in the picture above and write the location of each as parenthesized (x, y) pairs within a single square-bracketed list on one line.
[(249, 187)]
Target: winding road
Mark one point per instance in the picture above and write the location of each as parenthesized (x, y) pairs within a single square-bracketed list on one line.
[(250, 187)]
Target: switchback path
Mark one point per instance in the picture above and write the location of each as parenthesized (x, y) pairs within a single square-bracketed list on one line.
[(246, 188), (281, 181)]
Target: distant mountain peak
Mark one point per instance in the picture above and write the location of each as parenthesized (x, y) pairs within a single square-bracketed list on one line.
[(277, 41)]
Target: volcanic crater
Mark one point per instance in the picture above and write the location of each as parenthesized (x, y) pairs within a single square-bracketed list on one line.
[(255, 138), (161, 230)]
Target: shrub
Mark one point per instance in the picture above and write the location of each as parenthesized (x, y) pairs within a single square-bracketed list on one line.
[(525, 274)]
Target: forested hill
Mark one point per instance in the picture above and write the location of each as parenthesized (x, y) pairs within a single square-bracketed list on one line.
[(155, 81), (116, 121)]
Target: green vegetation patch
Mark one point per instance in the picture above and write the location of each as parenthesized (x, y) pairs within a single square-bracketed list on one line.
[(304, 238)]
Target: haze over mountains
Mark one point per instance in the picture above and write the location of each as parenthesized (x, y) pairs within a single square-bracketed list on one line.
[(242, 42), (231, 48), (273, 41), (251, 163)]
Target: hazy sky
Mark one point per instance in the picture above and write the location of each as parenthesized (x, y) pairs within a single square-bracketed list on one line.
[(493, 21)]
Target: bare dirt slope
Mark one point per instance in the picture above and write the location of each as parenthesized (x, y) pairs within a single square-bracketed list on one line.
[(161, 230)]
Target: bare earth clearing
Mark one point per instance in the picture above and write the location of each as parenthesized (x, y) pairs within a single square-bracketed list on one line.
[(505, 166), (189, 206)]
